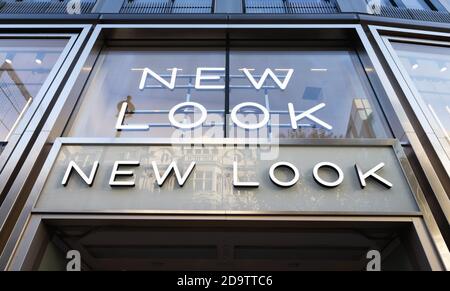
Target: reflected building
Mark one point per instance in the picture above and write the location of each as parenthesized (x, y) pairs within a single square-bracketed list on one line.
[(360, 119)]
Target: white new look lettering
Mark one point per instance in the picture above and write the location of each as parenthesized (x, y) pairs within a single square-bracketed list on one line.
[(307, 114), (175, 123), (121, 117), (200, 76), (234, 117), (372, 173), (148, 71), (116, 172), (73, 166), (268, 72), (173, 166), (182, 178), (237, 183)]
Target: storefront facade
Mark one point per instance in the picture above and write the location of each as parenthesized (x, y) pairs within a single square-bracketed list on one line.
[(226, 135)]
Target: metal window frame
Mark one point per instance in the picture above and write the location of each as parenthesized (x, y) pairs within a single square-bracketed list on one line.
[(17, 149), (21, 135), (71, 39), (429, 123), (70, 94), (413, 127), (437, 174)]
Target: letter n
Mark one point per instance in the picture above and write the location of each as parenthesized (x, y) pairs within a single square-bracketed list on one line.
[(88, 180)]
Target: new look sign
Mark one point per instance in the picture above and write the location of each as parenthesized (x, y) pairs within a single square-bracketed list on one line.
[(210, 79), (203, 176), (121, 178)]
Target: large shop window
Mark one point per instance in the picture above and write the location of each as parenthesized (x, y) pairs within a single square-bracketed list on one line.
[(330, 79), (25, 65), (429, 69), (270, 93), (116, 79)]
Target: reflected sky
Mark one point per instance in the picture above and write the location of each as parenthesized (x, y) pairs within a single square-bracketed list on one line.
[(429, 69)]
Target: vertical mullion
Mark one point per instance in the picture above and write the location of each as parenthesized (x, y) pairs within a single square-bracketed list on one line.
[(227, 85)]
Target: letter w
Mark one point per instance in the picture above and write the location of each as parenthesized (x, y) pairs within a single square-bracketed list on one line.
[(173, 166), (170, 85), (268, 72)]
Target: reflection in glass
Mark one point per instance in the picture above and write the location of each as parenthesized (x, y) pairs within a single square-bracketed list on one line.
[(429, 69), (210, 184), (116, 79), (24, 66), (389, 3), (417, 4), (332, 77), (410, 4)]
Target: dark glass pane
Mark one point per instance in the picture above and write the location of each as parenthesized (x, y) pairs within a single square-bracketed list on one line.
[(25, 65)]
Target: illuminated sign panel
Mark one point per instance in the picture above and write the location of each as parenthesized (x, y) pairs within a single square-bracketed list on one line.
[(121, 178)]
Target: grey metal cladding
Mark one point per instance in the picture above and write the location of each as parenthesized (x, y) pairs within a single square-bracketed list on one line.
[(414, 14), (42, 6), (166, 6), (290, 7)]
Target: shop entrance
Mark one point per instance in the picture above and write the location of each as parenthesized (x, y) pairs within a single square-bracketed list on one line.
[(225, 245)]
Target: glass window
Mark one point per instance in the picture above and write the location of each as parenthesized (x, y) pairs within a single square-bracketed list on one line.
[(306, 1), (412, 4), (329, 82), (117, 78), (429, 69), (417, 4), (389, 3), (24, 66), (328, 86)]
